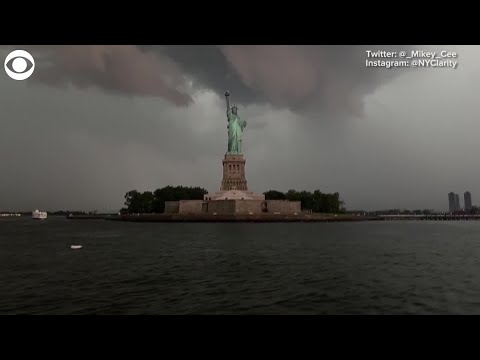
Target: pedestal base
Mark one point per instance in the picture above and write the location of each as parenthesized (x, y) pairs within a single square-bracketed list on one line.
[(234, 195), (233, 173)]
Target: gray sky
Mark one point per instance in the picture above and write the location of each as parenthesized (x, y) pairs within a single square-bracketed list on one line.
[(93, 122)]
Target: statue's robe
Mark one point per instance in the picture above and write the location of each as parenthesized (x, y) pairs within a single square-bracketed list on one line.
[(235, 131)]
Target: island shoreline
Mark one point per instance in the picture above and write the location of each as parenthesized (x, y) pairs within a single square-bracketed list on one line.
[(236, 218)]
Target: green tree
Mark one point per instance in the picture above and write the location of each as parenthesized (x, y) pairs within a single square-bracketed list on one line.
[(275, 195), (147, 202), (133, 201), (293, 195), (154, 202)]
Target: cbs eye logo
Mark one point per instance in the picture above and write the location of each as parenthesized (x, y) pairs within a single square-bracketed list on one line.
[(16, 65)]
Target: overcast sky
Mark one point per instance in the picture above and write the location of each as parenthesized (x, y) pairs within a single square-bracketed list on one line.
[(93, 122)]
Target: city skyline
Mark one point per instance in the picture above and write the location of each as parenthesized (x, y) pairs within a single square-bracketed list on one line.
[(93, 122), (454, 201)]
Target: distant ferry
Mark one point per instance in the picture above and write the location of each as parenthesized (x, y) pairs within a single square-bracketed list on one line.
[(39, 215)]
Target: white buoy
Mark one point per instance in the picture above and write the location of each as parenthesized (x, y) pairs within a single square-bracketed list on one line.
[(76, 247)]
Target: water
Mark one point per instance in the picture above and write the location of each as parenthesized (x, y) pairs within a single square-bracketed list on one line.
[(158, 268)]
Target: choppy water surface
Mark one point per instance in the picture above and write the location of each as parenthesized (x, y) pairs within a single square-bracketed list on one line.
[(158, 268)]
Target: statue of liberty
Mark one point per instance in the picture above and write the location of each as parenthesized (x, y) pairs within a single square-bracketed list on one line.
[(235, 128)]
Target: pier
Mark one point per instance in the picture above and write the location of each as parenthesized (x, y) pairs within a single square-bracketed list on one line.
[(431, 217), (89, 216)]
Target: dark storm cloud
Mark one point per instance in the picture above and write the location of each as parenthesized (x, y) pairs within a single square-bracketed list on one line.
[(307, 79), (209, 68), (120, 69), (332, 80)]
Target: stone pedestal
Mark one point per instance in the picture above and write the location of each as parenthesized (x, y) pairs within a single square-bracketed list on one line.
[(233, 173), (234, 183), (234, 195)]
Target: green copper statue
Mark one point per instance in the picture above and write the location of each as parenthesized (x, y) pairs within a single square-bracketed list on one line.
[(235, 128)]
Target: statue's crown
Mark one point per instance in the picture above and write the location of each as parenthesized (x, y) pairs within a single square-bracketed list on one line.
[(234, 107)]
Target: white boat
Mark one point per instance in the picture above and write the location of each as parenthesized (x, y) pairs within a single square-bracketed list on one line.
[(74, 247), (39, 215)]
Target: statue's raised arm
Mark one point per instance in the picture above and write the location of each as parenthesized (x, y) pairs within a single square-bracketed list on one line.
[(227, 96)]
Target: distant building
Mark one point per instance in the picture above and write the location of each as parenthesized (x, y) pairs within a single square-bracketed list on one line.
[(467, 198), (457, 202), (451, 202)]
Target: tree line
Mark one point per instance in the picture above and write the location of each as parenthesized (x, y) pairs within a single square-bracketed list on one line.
[(154, 202), (315, 201)]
